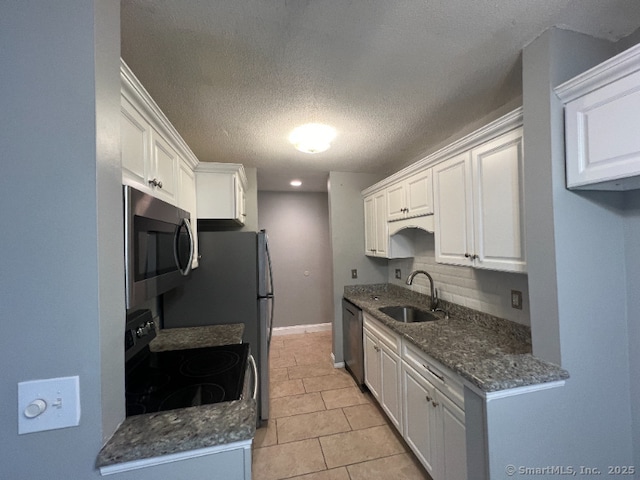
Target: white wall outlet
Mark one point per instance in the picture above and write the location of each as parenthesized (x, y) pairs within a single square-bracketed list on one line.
[(48, 404)]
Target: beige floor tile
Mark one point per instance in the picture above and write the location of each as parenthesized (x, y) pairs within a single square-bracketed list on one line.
[(285, 359), (313, 358), (266, 436), (311, 425), (305, 371), (344, 397), (277, 342), (278, 375), (333, 474), (288, 460), (364, 416), (296, 405), (360, 445), (327, 382), (286, 388), (398, 467)]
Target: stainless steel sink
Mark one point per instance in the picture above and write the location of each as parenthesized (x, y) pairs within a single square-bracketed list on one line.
[(409, 314)]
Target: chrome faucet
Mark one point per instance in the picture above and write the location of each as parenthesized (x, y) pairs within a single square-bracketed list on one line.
[(434, 293)]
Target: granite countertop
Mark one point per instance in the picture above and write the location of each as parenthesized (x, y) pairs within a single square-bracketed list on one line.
[(491, 353), (177, 431), (197, 337)]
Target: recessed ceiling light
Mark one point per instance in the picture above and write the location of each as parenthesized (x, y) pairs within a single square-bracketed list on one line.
[(295, 183), (312, 137)]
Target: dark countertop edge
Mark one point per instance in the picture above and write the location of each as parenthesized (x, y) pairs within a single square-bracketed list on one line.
[(353, 292), (220, 438)]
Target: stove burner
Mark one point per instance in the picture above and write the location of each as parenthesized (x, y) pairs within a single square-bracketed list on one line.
[(152, 382), (193, 396), (209, 363), (157, 381)]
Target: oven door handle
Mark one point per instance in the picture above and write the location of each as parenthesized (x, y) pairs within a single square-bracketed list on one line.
[(254, 367)]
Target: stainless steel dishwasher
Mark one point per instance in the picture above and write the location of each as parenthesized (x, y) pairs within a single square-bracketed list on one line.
[(352, 341)]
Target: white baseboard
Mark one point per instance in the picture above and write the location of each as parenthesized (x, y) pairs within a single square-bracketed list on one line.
[(336, 364), (296, 329)]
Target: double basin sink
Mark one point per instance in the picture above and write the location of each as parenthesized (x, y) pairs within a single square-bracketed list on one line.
[(408, 314)]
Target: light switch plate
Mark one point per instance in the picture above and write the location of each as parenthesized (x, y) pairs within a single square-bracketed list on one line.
[(354, 273), (48, 404), (398, 273)]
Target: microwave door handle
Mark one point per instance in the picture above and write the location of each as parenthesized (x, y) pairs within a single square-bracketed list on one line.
[(187, 268)]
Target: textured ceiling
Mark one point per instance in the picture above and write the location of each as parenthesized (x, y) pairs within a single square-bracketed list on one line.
[(393, 77)]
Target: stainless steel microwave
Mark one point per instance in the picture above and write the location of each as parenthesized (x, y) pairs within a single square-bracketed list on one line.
[(159, 246)]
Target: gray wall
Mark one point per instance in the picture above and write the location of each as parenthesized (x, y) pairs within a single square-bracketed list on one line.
[(347, 243), (577, 289), (298, 227), (62, 300), (632, 250)]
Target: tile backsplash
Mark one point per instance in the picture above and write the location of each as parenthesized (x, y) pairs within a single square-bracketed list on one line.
[(483, 290)]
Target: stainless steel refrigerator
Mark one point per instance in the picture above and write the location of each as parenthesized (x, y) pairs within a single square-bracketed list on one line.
[(233, 284)]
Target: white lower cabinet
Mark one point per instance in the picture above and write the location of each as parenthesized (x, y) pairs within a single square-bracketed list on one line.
[(382, 368), (422, 399)]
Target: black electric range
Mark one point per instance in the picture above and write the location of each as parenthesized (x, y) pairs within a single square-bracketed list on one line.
[(158, 381)]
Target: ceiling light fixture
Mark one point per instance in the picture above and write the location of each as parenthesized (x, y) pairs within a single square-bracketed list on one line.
[(295, 183), (312, 137)]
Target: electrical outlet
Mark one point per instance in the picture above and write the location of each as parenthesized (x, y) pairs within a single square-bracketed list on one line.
[(398, 273), (48, 404), (354, 273), (516, 299)]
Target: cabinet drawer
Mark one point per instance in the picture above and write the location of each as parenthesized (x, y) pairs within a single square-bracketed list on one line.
[(441, 377), (390, 339)]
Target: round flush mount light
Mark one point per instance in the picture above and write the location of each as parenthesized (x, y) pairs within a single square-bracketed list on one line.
[(295, 183), (312, 137)]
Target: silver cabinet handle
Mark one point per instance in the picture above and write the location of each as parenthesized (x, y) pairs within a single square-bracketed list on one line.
[(376, 348), (156, 183), (255, 377), (428, 398), (434, 403)]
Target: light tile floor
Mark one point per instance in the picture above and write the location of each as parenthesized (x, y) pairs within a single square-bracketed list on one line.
[(322, 427)]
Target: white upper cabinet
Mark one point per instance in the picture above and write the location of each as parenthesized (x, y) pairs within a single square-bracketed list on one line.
[(220, 191), (163, 171), (453, 195), (478, 200), (152, 151), (376, 237), (602, 115), (411, 197), (135, 140)]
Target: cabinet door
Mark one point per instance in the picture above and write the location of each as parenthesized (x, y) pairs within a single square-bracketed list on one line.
[(240, 200), (372, 364), (134, 143), (419, 190), (396, 202), (453, 210), (164, 168), (603, 144), (498, 204), (382, 235), (369, 226), (419, 417), (454, 440), (390, 386)]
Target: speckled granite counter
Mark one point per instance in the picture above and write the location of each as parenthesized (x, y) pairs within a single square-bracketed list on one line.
[(182, 430), (197, 337), (175, 431), (491, 353)]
